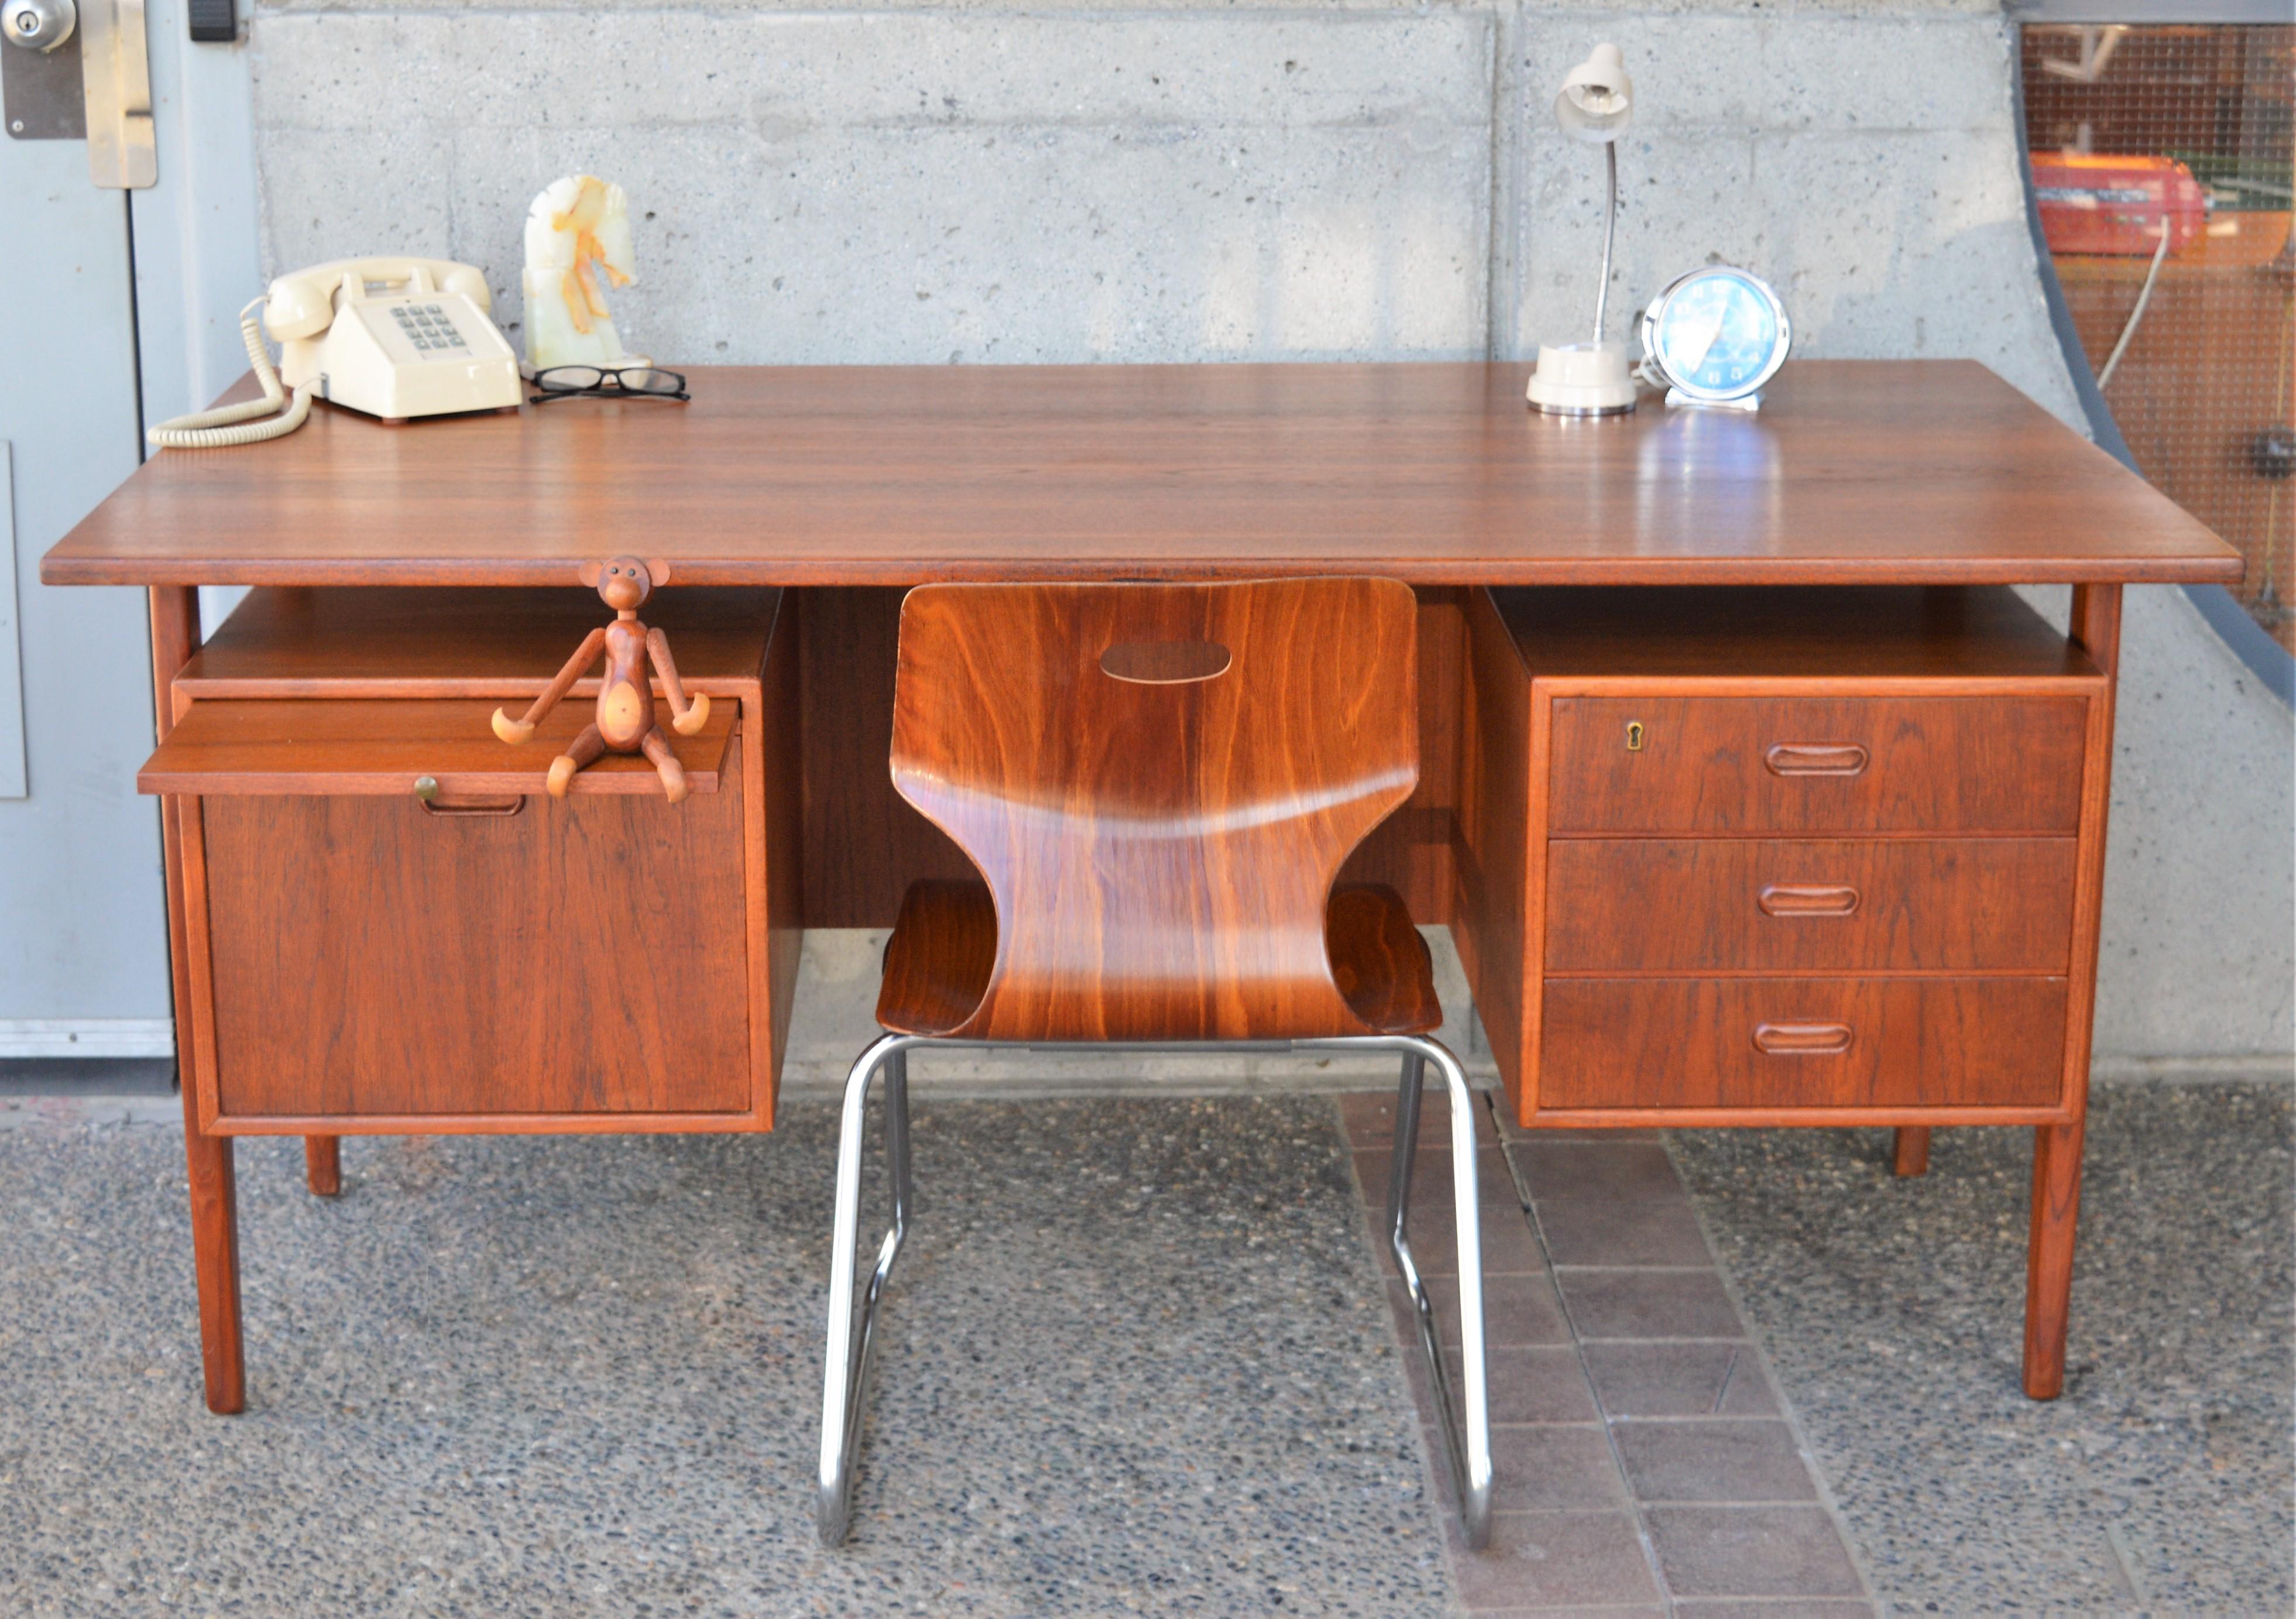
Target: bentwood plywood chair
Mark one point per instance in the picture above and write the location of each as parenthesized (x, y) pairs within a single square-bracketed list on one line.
[(1160, 784)]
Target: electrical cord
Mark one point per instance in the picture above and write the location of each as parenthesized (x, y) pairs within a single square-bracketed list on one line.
[(2144, 297), (212, 428)]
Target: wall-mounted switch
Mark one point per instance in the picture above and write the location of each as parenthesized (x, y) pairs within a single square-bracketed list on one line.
[(213, 22)]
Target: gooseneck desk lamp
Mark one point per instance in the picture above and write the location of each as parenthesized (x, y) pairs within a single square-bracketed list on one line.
[(1591, 379)]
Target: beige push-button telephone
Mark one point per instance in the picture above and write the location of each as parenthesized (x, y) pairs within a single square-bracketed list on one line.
[(393, 337)]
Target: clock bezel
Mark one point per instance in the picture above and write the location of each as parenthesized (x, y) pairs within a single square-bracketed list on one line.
[(1656, 359)]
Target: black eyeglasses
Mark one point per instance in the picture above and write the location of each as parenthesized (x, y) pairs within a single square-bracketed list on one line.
[(639, 382)]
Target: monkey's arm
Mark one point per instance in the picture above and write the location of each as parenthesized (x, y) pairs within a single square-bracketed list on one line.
[(686, 716), (515, 731)]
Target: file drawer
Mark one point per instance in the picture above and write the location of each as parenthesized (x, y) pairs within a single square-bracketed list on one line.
[(390, 925), (1663, 764), (1797, 905), (1775, 1044), (376, 957)]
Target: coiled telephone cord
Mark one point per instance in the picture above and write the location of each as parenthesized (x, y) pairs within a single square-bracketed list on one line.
[(211, 429)]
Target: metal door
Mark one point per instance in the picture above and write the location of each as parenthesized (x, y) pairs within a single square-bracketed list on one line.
[(83, 925)]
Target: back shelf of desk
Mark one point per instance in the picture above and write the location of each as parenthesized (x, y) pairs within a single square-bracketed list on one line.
[(482, 957)]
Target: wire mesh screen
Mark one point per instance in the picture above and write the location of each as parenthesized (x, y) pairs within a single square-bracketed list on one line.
[(2163, 171)]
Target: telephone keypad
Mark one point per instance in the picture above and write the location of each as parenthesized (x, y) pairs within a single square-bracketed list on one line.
[(429, 329)]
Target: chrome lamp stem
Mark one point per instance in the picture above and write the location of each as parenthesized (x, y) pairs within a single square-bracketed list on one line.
[(1610, 231)]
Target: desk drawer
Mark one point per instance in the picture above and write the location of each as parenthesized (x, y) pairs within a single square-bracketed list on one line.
[(1793, 905), (584, 955), (1817, 764), (1758, 1043)]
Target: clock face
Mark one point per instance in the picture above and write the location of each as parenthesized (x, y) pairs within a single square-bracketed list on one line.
[(1717, 333)]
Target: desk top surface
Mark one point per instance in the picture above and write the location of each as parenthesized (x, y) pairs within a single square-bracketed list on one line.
[(1853, 471)]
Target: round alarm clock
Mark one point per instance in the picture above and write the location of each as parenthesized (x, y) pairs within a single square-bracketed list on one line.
[(1714, 336)]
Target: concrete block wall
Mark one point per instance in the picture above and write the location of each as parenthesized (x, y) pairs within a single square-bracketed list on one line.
[(985, 182)]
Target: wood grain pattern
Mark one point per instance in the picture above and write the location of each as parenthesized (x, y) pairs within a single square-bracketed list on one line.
[(1537, 654), (1872, 634), (1162, 856), (174, 617), (1497, 920), (1935, 764), (1379, 961), (2049, 1255), (1413, 850), (323, 1166), (1916, 472), (381, 641), (1658, 1043), (455, 966), (2095, 625), (864, 844), (773, 784), (939, 961), (380, 746), (1789, 905)]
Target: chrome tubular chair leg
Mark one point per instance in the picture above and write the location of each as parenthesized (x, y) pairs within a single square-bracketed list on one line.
[(845, 1372), (1466, 1444)]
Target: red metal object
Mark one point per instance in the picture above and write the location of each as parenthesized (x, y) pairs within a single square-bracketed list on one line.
[(2098, 204)]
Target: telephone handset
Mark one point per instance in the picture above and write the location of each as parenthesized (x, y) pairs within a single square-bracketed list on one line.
[(393, 337)]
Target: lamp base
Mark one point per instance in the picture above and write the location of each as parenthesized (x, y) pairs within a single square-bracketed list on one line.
[(1582, 380)]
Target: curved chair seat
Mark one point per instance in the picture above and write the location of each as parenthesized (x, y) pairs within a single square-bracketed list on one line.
[(943, 949)]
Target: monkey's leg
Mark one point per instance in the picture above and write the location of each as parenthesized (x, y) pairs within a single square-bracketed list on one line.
[(673, 774), (578, 753)]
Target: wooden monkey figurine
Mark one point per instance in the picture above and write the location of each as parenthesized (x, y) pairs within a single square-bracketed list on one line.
[(624, 722)]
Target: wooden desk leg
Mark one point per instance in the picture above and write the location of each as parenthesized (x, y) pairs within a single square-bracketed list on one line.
[(2049, 1256), (215, 1221), (215, 1249), (2057, 1147), (1912, 1157), (322, 1164)]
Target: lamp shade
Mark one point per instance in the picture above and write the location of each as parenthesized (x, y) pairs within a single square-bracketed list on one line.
[(1597, 98)]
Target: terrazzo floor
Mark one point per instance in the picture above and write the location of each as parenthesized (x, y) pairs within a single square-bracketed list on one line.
[(2161, 1480), (1140, 1358)]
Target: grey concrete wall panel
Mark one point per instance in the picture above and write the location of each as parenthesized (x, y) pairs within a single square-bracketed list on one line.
[(913, 186), (2199, 955)]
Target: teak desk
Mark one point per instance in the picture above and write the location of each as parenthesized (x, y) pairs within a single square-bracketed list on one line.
[(1819, 841)]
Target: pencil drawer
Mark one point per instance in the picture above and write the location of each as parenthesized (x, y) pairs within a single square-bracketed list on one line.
[(1766, 1044), (1795, 764), (1795, 905)]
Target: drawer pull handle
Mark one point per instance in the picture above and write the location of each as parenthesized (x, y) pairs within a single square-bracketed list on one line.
[(454, 811), (1801, 1039), (1816, 759), (1807, 900)]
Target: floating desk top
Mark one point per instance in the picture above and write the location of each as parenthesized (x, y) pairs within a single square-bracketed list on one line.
[(1854, 471)]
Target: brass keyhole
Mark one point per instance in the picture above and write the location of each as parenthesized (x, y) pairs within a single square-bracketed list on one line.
[(1634, 735)]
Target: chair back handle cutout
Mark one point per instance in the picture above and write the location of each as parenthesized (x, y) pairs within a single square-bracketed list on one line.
[(1165, 662)]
